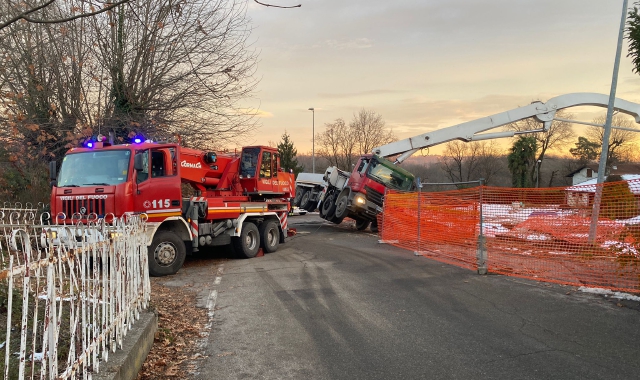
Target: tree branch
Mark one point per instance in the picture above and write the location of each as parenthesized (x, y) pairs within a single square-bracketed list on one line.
[(25, 15), (277, 6)]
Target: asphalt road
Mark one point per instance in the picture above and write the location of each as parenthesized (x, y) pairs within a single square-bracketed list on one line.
[(333, 303)]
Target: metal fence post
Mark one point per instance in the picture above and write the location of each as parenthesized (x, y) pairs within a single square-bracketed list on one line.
[(481, 253), (419, 185)]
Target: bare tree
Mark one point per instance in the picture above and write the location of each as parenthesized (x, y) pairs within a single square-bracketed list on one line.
[(555, 139), (455, 159), (36, 12), (463, 162), (620, 142), (369, 127), (163, 68), (277, 6), (341, 144), (46, 100), (178, 69), (489, 157), (337, 144)]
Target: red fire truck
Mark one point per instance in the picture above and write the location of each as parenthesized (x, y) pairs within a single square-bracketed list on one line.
[(239, 199)]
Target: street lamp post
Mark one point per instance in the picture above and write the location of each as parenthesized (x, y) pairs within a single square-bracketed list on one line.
[(313, 139), (538, 173)]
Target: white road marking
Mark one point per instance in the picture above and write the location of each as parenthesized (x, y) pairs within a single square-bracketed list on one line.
[(211, 308)]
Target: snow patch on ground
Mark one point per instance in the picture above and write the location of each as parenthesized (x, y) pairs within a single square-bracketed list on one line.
[(610, 293), (621, 247), (491, 229)]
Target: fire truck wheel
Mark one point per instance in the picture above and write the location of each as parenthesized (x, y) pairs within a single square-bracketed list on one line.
[(341, 205), (305, 200), (269, 236), (299, 193), (248, 243), (362, 224), (166, 254)]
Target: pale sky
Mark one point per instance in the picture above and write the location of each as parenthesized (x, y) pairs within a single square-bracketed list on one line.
[(428, 64)]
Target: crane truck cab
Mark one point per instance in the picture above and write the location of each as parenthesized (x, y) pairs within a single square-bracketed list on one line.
[(227, 205)]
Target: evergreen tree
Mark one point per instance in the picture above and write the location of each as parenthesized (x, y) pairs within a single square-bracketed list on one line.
[(585, 150), (633, 36), (521, 157), (288, 154)]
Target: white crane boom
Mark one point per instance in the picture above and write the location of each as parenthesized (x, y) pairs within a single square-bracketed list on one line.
[(470, 131)]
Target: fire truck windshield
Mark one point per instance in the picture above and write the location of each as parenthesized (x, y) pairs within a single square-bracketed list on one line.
[(97, 168)]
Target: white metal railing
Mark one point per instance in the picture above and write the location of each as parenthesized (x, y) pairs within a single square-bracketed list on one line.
[(69, 293)]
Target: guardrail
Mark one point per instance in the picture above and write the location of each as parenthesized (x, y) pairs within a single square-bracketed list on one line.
[(541, 234), (69, 293)]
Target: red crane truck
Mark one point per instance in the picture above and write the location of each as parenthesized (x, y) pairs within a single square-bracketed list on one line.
[(239, 199), (360, 194)]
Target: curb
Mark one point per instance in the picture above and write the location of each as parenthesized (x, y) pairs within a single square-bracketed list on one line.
[(125, 363)]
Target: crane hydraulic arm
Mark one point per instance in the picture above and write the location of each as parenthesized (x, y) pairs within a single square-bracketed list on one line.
[(471, 130)]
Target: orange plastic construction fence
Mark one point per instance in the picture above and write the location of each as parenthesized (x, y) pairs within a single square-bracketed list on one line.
[(553, 234)]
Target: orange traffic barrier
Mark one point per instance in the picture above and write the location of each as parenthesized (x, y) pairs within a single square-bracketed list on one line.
[(553, 234)]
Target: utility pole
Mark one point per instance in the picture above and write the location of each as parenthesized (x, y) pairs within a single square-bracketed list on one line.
[(607, 129)]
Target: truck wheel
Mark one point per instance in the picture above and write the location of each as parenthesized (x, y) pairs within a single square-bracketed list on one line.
[(312, 206), (336, 220), (362, 224), (269, 236), (341, 205), (299, 193), (166, 254), (248, 243), (374, 226), (305, 200), (320, 210), (329, 207)]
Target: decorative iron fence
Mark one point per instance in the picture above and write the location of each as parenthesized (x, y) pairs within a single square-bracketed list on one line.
[(69, 293)]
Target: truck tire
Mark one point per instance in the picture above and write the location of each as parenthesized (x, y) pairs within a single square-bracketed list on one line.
[(166, 254), (312, 206), (320, 207), (248, 243), (341, 205), (374, 226), (269, 236), (362, 224), (329, 207), (305, 200), (336, 220), (299, 193)]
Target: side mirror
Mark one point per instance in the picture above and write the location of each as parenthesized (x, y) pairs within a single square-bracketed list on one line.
[(138, 164), (53, 174), (210, 157)]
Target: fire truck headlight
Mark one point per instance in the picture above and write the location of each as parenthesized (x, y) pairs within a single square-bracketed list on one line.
[(360, 199), (114, 235), (52, 235)]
